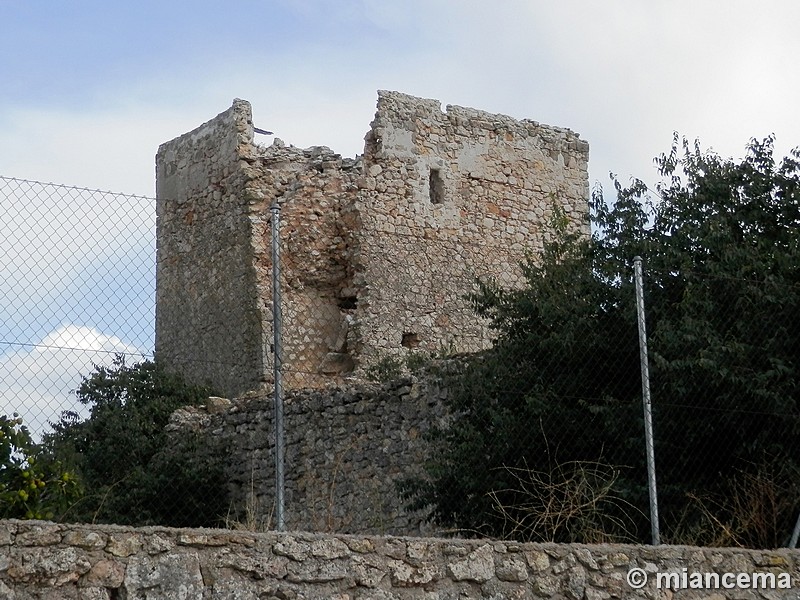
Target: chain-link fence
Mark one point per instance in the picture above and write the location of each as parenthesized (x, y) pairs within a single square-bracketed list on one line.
[(77, 287), (548, 432), (549, 441), (511, 407)]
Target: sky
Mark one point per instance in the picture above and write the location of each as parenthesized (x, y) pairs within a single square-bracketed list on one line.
[(89, 89)]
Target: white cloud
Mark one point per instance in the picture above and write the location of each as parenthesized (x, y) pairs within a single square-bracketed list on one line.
[(39, 382)]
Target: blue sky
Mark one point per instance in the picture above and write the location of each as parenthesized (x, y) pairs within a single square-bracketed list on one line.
[(89, 89)]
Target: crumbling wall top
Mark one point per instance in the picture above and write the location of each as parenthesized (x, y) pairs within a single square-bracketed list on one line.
[(401, 110)]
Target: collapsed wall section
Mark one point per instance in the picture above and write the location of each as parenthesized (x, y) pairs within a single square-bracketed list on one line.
[(447, 198), (208, 317), (314, 189)]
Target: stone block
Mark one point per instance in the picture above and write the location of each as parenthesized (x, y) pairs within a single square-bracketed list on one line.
[(164, 576), (477, 566), (105, 573)]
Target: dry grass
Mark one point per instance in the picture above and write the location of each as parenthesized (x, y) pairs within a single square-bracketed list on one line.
[(757, 511), (253, 518), (574, 501)]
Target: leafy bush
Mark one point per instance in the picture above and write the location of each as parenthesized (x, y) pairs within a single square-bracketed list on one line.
[(133, 473), (31, 487)]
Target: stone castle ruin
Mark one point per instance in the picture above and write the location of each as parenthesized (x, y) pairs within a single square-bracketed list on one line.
[(378, 252)]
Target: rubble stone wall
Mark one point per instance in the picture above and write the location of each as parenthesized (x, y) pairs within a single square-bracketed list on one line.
[(378, 252), (40, 560), (315, 190), (347, 449)]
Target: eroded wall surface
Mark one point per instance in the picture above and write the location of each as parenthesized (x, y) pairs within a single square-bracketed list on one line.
[(40, 560), (315, 189), (449, 197)]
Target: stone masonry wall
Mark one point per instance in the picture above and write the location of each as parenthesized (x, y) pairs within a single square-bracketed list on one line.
[(449, 197), (378, 252), (346, 450), (208, 322), (40, 560), (315, 190)]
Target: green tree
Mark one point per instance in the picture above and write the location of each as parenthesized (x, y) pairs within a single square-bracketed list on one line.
[(31, 488), (132, 471), (561, 385)]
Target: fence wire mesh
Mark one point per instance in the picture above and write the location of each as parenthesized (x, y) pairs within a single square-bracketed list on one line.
[(77, 287), (525, 423), (547, 440)]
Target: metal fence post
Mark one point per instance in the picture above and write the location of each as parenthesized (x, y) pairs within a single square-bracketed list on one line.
[(795, 533), (648, 414), (277, 324)]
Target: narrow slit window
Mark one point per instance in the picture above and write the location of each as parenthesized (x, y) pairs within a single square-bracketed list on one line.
[(436, 187)]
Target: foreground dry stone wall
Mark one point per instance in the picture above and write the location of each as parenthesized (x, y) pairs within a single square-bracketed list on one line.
[(40, 560)]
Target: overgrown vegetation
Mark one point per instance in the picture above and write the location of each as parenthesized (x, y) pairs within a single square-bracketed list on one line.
[(545, 440), (387, 367), (560, 389), (131, 472), (569, 502)]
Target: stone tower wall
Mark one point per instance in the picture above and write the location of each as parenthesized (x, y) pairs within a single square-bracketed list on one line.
[(449, 197), (208, 321), (378, 252)]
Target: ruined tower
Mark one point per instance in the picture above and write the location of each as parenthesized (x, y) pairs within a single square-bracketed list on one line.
[(378, 252)]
